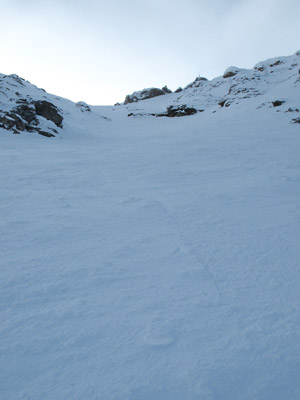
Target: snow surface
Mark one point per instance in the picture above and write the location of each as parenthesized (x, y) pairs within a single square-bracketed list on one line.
[(155, 258)]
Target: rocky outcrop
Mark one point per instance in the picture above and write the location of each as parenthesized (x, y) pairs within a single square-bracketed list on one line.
[(25, 107), (27, 112), (178, 111), (166, 89), (178, 90), (231, 71), (199, 81), (25, 117), (172, 111), (11, 121), (277, 103), (146, 94), (49, 111)]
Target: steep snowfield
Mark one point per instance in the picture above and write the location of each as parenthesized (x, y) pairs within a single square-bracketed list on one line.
[(154, 258)]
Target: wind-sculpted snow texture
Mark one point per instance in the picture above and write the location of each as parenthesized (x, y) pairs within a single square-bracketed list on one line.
[(155, 258)]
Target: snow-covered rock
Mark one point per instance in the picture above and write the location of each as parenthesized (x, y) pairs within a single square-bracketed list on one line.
[(84, 107), (231, 71), (24, 107), (269, 81)]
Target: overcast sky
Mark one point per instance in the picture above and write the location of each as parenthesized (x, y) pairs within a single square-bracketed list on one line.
[(99, 51)]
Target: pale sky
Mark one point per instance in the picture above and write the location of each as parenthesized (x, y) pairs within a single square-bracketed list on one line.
[(99, 51)]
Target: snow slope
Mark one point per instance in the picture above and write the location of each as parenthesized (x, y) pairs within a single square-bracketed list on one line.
[(152, 258)]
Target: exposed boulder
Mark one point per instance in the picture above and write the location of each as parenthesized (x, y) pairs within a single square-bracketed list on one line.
[(277, 103), (49, 111)]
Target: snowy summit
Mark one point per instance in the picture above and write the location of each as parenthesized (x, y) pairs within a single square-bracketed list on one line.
[(150, 250)]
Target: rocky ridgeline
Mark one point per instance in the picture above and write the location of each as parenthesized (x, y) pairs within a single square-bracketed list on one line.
[(271, 83)]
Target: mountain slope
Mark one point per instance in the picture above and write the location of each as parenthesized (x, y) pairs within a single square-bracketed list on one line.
[(151, 257), (272, 83)]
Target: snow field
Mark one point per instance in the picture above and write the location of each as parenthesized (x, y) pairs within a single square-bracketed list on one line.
[(156, 261)]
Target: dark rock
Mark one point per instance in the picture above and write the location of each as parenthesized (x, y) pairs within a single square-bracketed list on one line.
[(276, 63), (292, 110), (222, 103), (153, 92), (22, 101), (166, 89), (49, 111), (296, 120), (7, 122), (229, 74), (179, 111), (129, 99), (20, 124), (24, 117), (178, 90), (43, 133), (277, 103), (12, 121), (26, 112)]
